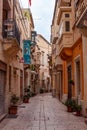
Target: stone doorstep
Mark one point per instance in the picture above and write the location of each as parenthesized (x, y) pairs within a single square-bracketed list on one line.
[(85, 120), (3, 116)]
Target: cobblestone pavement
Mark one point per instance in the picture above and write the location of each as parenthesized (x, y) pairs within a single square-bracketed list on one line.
[(43, 113)]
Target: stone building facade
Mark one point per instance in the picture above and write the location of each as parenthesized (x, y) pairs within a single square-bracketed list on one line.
[(69, 44), (42, 52), (30, 27), (13, 31)]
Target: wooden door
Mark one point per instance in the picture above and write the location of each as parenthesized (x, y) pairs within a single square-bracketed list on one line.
[(2, 90)]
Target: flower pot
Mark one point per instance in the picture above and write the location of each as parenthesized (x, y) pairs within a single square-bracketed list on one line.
[(86, 121), (78, 113), (13, 110), (26, 100), (69, 109)]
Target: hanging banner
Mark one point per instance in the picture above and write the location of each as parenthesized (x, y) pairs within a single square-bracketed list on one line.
[(26, 51)]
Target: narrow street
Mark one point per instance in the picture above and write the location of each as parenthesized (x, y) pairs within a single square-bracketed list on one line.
[(43, 113)]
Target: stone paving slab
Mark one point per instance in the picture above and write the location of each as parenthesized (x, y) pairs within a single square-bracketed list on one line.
[(43, 112)]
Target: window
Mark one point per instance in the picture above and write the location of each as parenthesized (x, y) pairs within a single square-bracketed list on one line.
[(67, 15), (42, 58), (67, 26), (60, 30)]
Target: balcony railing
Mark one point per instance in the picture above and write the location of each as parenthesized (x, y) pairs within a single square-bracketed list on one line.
[(11, 31), (81, 11)]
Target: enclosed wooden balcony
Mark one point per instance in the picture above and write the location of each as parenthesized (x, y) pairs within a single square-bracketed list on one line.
[(65, 45), (58, 61), (64, 2), (54, 33), (65, 37), (63, 10), (11, 37), (81, 13), (38, 57)]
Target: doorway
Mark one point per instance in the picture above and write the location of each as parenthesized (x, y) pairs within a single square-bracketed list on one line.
[(21, 84), (78, 81), (69, 73), (60, 88), (2, 90)]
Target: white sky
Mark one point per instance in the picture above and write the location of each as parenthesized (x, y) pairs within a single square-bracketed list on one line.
[(42, 12)]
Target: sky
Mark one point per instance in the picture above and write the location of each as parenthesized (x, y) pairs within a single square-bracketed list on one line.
[(42, 12)]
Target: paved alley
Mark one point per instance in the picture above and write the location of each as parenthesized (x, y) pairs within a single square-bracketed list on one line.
[(43, 113)]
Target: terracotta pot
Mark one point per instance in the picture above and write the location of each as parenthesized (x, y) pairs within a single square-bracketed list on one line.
[(13, 110), (86, 120), (69, 109), (78, 113), (26, 100)]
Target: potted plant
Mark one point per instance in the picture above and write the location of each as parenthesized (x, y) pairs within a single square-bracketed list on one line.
[(78, 110), (41, 90), (13, 107), (68, 103), (71, 82), (86, 110), (25, 99), (27, 95), (86, 116), (74, 104)]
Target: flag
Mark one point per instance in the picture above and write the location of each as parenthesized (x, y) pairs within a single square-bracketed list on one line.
[(30, 2)]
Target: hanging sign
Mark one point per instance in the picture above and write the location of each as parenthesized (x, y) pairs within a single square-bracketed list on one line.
[(26, 51)]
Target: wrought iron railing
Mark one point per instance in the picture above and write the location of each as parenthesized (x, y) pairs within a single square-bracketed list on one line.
[(80, 7), (11, 30)]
